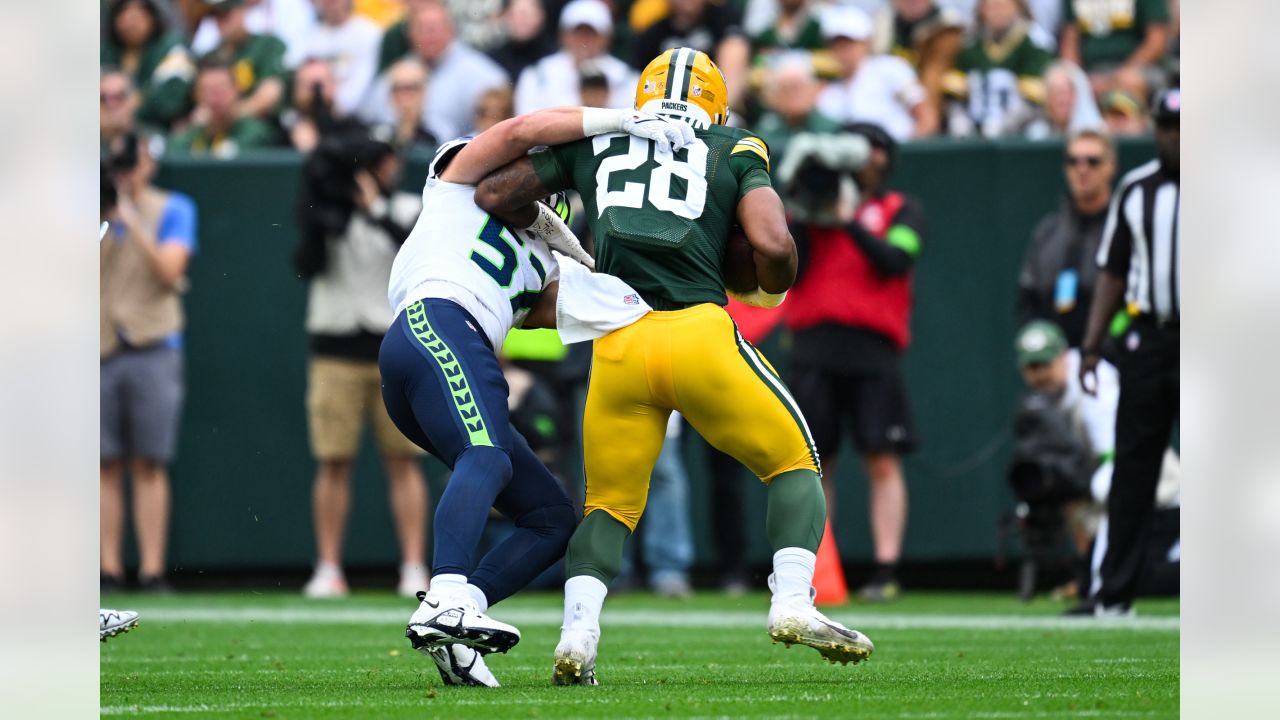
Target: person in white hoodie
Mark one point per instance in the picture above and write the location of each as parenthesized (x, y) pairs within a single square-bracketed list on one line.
[(347, 317)]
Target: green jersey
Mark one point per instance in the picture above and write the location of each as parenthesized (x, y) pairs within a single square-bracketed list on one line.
[(661, 220)]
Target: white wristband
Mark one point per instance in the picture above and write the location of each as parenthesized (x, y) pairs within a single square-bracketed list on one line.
[(598, 121)]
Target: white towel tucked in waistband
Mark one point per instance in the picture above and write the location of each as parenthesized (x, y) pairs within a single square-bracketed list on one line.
[(593, 304)]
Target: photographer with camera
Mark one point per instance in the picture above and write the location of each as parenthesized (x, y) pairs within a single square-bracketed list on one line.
[(1063, 456), (849, 311), (352, 222), (143, 257), (1064, 440)]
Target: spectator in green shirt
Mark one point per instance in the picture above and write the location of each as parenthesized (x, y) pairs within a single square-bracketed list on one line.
[(998, 80), (791, 96), (223, 132), (1119, 43), (795, 28), (257, 61), (155, 60)]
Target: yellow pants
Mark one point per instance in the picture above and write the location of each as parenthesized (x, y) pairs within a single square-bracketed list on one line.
[(696, 362)]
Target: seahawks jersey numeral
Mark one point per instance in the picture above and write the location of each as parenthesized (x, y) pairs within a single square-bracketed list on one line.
[(493, 235), (692, 169)]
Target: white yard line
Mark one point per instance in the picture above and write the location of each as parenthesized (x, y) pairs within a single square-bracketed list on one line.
[(738, 619)]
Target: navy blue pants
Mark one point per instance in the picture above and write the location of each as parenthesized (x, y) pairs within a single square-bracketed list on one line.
[(444, 388)]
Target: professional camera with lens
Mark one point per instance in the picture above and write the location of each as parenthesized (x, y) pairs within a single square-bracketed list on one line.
[(1051, 467), (816, 174), (328, 188)]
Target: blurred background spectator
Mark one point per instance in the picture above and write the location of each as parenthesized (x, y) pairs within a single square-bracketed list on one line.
[(352, 224), (459, 75), (928, 35), (791, 96), (796, 27), (407, 81), (998, 78), (1124, 115), (289, 20), (846, 362), (494, 106), (525, 41), (117, 103), (1119, 43), (312, 112), (137, 42), (586, 28), (395, 38), (879, 89), (349, 43), (256, 61), (1069, 106), (220, 131), (715, 29), (478, 22), (1059, 270), (144, 259)]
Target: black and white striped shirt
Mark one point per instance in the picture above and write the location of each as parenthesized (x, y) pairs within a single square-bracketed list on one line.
[(1140, 242)]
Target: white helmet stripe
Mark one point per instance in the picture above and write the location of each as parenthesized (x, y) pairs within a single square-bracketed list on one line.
[(684, 56)]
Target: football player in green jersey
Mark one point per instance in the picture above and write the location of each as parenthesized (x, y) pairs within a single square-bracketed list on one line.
[(661, 221)]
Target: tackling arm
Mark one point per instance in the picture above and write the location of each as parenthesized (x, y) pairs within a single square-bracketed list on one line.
[(509, 192), (510, 139)]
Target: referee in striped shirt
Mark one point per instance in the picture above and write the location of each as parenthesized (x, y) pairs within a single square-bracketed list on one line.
[(1139, 264)]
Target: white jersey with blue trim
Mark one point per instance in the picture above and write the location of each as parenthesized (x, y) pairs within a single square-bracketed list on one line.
[(458, 252)]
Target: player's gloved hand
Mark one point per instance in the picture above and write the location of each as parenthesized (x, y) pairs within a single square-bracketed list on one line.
[(668, 134), (550, 229)]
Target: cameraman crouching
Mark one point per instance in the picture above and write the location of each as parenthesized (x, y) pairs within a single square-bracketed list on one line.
[(1064, 445), (849, 312)]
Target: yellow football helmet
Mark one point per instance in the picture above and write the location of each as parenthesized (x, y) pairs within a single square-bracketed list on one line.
[(683, 83)]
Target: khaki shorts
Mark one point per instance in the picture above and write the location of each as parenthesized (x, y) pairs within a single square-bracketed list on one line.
[(341, 396)]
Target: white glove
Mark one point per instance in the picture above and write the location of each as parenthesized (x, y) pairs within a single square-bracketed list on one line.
[(668, 134), (550, 229), (759, 298)]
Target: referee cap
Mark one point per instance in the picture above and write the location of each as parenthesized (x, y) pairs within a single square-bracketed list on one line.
[(1039, 341)]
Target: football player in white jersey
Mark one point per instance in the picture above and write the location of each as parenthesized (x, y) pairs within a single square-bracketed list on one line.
[(460, 282)]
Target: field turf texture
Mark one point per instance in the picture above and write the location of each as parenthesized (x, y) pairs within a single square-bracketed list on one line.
[(276, 655)]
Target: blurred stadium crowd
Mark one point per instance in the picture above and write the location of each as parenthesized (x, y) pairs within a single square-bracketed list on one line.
[(220, 77), (226, 78)]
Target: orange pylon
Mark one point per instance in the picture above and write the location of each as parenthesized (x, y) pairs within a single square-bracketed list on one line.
[(828, 575)]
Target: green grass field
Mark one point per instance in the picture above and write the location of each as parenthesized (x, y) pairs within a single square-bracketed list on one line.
[(251, 655)]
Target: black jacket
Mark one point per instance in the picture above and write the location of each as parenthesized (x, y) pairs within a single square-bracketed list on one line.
[(1063, 239)]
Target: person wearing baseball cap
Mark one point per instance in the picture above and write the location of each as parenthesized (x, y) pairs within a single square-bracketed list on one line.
[(586, 29), (1124, 114), (879, 89)]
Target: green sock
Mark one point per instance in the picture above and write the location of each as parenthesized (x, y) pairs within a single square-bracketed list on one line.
[(596, 548), (797, 511)]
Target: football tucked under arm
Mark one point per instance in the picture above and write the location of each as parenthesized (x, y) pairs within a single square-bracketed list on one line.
[(739, 263)]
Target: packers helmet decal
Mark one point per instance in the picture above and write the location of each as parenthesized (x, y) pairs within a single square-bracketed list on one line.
[(684, 83)]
